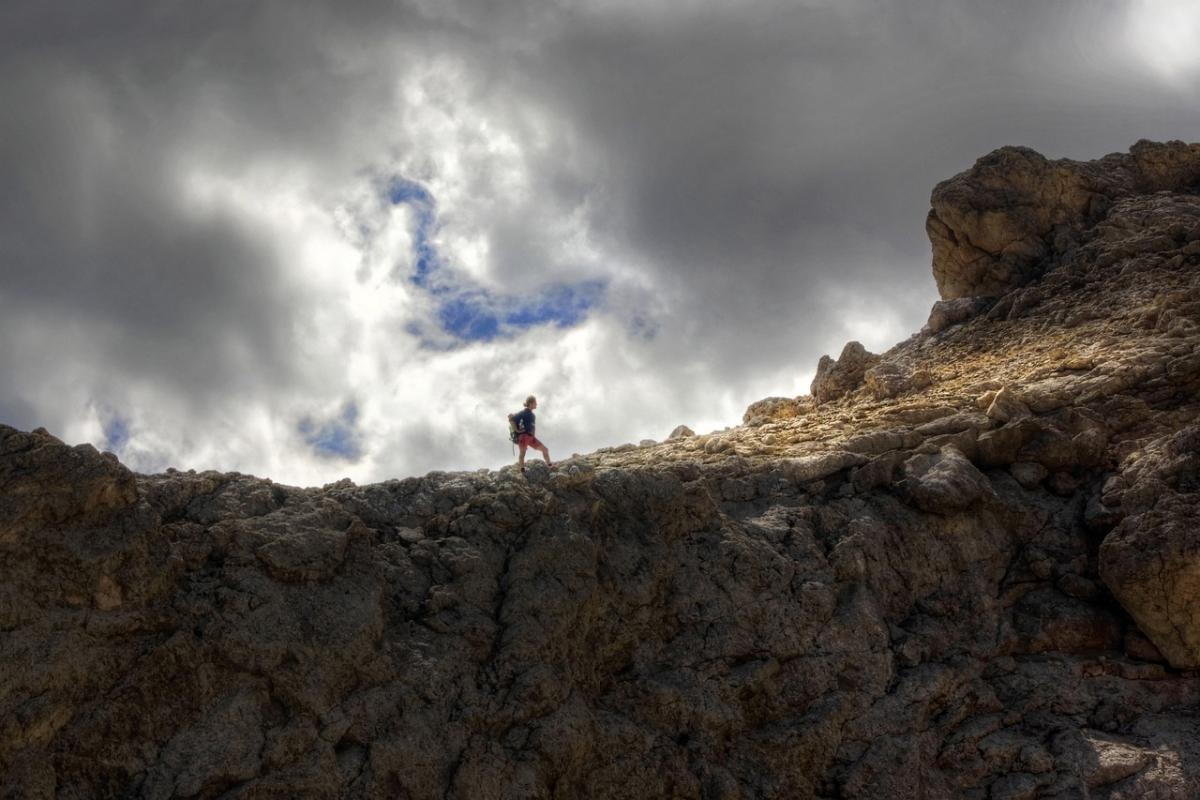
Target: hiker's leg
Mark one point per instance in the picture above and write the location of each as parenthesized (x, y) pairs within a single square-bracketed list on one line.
[(545, 453), (521, 457)]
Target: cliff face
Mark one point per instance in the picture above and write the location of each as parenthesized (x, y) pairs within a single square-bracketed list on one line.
[(968, 567)]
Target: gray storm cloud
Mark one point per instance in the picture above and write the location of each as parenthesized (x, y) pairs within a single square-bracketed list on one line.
[(185, 249)]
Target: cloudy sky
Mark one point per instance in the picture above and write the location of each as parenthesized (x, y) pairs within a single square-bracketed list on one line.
[(315, 240)]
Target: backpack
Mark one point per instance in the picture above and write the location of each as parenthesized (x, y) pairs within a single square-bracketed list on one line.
[(514, 433)]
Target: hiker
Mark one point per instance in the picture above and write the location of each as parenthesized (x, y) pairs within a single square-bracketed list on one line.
[(523, 423)]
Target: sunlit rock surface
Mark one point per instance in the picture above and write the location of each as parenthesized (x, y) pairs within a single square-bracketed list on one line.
[(969, 571)]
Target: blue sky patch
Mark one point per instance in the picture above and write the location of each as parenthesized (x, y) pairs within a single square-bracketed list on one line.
[(468, 317), (469, 313), (336, 438), (116, 434), (425, 257), (562, 305)]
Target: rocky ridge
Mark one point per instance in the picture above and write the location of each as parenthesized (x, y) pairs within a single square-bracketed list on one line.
[(966, 567)]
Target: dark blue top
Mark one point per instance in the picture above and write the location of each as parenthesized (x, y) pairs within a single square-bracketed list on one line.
[(524, 421)]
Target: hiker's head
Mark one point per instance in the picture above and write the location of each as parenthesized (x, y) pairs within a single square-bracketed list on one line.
[(531, 402)]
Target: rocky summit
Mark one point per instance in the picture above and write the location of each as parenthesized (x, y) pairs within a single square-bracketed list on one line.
[(968, 567)]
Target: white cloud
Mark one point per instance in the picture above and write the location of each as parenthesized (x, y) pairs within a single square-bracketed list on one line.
[(198, 244), (1165, 36)]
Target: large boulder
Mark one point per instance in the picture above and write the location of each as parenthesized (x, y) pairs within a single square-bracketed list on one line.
[(681, 432), (891, 379), (944, 482), (951, 312), (1151, 560), (836, 379), (1152, 564), (775, 408)]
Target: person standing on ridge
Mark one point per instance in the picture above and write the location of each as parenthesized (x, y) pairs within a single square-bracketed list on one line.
[(523, 422)]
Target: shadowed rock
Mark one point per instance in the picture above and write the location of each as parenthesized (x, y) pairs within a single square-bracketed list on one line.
[(43, 483), (1151, 561), (835, 379)]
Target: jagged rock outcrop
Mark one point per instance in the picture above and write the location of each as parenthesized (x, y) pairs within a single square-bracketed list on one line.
[(951, 312), (892, 379), (838, 378), (971, 576), (1002, 222), (771, 408), (681, 432), (43, 482)]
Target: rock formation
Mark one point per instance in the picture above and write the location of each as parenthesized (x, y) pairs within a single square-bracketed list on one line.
[(968, 571), (1016, 213), (835, 379)]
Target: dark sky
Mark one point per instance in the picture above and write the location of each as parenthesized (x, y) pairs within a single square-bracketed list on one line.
[(309, 241)]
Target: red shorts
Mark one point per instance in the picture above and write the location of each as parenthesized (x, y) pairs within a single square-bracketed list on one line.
[(529, 440)]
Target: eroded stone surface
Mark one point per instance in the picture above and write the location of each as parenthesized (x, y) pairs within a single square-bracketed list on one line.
[(1152, 559), (1001, 223), (838, 378), (44, 483)]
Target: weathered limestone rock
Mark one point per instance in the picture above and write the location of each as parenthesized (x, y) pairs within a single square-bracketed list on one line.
[(1152, 564), (1029, 474), (223, 749), (1003, 446), (951, 312), (891, 380), (310, 555), (944, 482), (836, 379), (814, 468), (44, 482), (1103, 759), (993, 226), (875, 442), (955, 423), (776, 408), (681, 432), (1151, 560), (1006, 406)]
